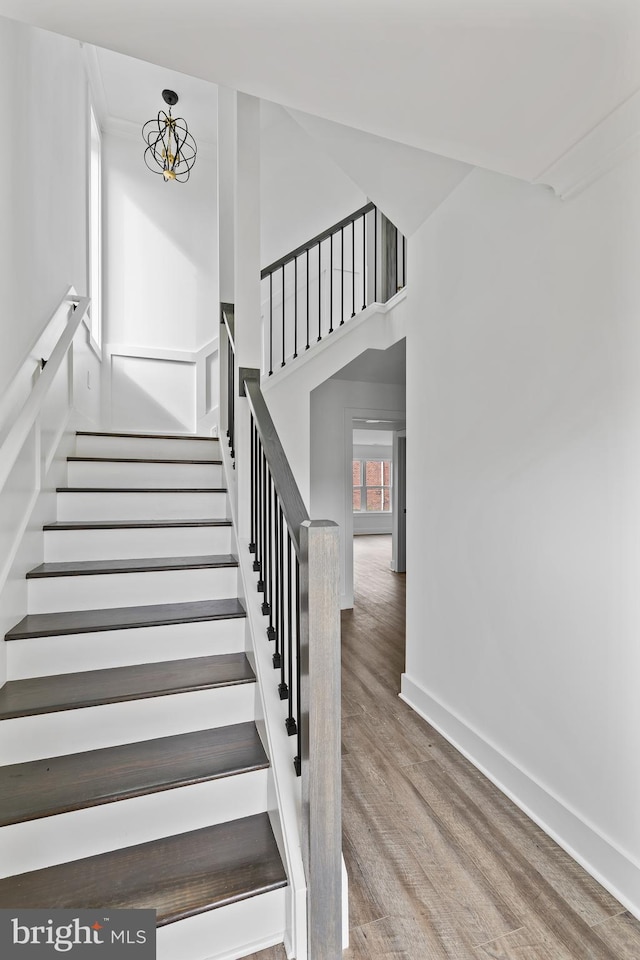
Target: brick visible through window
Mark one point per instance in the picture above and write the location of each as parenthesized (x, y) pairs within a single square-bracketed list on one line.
[(372, 486)]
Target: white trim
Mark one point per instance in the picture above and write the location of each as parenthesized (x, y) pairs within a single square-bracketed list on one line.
[(613, 140), (600, 856), (161, 353), (95, 82)]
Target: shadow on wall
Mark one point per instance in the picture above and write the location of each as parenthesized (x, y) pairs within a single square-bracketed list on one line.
[(157, 400)]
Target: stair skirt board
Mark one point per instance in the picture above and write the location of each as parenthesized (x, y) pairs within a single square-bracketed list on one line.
[(127, 543), (223, 934), (123, 473), (95, 504), (96, 591), (110, 826), (34, 738)]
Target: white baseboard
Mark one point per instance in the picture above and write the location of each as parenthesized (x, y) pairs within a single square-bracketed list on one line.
[(615, 870)]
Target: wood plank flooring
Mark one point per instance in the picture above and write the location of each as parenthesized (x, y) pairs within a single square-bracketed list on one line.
[(442, 866)]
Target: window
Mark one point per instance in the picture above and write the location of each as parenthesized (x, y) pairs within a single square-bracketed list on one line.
[(95, 230), (372, 486)]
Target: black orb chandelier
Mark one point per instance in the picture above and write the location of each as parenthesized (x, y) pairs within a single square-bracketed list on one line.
[(171, 150)]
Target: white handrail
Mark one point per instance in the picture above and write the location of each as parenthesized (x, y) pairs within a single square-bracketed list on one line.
[(19, 432)]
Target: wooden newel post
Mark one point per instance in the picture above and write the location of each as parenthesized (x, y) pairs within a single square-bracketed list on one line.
[(320, 727)]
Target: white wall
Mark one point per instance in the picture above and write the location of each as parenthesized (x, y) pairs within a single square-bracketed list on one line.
[(160, 292), (523, 383), (302, 191), (334, 404), (43, 184)]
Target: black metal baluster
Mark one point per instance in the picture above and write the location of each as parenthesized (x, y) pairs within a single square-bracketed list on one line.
[(307, 346), (353, 268), (375, 254), (257, 564), (331, 284), (295, 307), (319, 292), (252, 495), (268, 560), (283, 318), (270, 324), (395, 286), (282, 687), (297, 760), (364, 261), (290, 722), (263, 538), (231, 403), (404, 261), (342, 275)]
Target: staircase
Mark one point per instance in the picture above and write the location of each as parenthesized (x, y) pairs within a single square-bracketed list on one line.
[(132, 772)]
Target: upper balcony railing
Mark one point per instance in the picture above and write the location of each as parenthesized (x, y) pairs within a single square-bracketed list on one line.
[(319, 286)]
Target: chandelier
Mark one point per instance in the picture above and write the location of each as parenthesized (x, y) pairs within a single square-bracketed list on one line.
[(171, 150)]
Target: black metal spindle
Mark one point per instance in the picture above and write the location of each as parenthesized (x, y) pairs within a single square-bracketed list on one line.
[(395, 286), (364, 262), (231, 401), (257, 565), (270, 324), (342, 276), (283, 690), (283, 320), (263, 538), (307, 346), (295, 308), (353, 268), (297, 760), (404, 261), (319, 292), (252, 494), (331, 284), (290, 722), (268, 560), (375, 254)]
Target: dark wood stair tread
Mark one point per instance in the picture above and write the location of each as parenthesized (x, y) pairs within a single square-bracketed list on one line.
[(120, 618), (141, 489), (178, 876), (87, 568), (202, 463), (147, 436), (71, 691), (55, 785), (132, 524)]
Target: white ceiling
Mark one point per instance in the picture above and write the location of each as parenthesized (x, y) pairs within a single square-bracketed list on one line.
[(505, 84), (377, 366), (132, 92)]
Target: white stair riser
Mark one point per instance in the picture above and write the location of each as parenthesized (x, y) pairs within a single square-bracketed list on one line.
[(66, 545), (141, 506), (110, 826), (153, 448), (96, 474), (227, 933), (90, 728), (70, 653), (55, 594)]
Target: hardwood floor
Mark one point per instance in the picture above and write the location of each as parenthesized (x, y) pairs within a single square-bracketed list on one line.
[(442, 866)]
